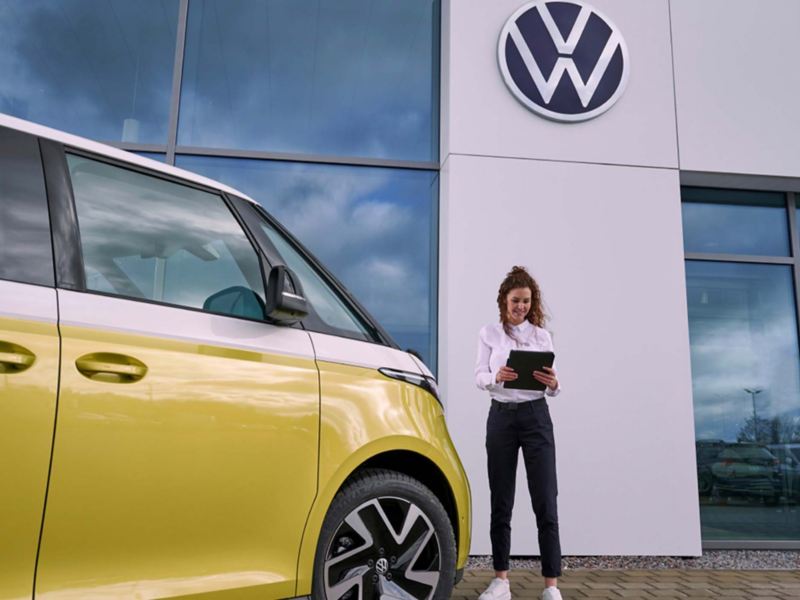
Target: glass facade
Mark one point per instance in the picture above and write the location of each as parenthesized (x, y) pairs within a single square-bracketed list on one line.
[(743, 327), (735, 222), (351, 86), (344, 78), (99, 69)]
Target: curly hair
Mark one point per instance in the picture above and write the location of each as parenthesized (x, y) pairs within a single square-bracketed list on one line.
[(518, 277)]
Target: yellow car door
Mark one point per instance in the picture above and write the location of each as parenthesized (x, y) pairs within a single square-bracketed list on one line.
[(28, 359), (185, 458)]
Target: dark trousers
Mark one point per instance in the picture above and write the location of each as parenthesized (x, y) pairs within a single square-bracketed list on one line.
[(529, 427)]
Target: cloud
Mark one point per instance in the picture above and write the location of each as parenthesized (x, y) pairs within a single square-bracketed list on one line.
[(354, 77), (86, 66)]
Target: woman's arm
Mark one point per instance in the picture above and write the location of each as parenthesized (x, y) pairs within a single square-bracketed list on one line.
[(549, 377), (484, 378)]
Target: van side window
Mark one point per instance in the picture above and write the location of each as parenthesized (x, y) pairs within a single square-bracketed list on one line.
[(26, 252), (326, 304), (146, 238)]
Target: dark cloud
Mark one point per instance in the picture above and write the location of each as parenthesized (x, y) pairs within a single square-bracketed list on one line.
[(352, 77), (86, 66)]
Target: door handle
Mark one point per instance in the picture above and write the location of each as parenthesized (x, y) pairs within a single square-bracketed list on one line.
[(14, 358), (111, 368)]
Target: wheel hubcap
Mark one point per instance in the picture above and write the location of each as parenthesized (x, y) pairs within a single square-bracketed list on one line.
[(385, 548)]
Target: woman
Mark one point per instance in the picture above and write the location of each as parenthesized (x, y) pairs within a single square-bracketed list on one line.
[(519, 419)]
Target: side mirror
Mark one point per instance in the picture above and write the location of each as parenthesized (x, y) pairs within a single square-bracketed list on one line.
[(236, 301), (283, 305)]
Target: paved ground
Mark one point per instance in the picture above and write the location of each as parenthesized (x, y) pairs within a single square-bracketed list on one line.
[(663, 584)]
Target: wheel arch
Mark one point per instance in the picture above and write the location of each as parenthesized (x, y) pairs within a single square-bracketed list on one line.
[(406, 461), (423, 470)]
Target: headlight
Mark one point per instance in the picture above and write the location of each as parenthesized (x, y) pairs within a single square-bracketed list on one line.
[(426, 383)]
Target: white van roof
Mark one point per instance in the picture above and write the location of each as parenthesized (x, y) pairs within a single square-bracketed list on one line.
[(76, 141)]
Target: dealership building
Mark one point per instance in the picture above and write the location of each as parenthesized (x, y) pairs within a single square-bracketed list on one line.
[(640, 157)]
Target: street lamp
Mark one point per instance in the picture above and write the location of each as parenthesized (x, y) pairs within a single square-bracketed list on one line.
[(753, 393)]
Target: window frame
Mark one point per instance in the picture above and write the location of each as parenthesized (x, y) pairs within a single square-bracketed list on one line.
[(790, 188), (742, 257), (793, 260), (173, 146), (70, 271)]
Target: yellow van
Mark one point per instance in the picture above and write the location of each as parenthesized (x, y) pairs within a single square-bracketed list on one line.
[(192, 406)]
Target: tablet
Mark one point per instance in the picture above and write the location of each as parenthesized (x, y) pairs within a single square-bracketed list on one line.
[(525, 362)]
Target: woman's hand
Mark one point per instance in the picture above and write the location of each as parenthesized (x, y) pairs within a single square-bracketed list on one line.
[(547, 377), (506, 374)]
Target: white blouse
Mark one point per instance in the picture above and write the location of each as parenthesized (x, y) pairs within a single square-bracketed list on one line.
[(494, 347)]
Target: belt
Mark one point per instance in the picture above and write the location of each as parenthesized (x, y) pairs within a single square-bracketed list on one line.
[(512, 405)]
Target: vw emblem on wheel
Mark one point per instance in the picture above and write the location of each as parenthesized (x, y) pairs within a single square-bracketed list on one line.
[(564, 60), (382, 566)]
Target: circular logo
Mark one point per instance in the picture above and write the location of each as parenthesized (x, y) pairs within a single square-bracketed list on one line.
[(382, 566), (563, 59)]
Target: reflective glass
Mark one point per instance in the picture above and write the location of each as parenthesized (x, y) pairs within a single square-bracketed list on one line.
[(146, 238), (746, 385), (26, 252), (351, 77), (375, 229), (99, 68), (735, 222)]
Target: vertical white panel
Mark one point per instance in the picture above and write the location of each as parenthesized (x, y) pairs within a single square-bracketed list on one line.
[(605, 244), (480, 116), (737, 85)]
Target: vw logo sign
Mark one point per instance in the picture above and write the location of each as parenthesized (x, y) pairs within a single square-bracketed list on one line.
[(382, 565), (564, 60)]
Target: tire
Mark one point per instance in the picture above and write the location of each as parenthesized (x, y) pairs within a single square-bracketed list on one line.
[(385, 536)]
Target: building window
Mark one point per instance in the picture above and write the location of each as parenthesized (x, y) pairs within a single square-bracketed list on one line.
[(99, 69), (741, 274), (347, 78)]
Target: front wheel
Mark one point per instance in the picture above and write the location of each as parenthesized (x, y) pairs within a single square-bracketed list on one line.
[(385, 536)]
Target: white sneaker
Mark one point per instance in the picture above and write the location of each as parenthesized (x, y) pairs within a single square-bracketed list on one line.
[(551, 593), (499, 589)]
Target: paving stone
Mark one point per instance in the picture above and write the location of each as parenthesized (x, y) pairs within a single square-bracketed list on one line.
[(656, 584)]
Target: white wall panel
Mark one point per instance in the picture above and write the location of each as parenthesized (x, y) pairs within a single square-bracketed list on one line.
[(480, 116), (605, 244), (738, 85)]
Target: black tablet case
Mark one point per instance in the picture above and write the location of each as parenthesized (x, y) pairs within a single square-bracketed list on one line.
[(525, 362)]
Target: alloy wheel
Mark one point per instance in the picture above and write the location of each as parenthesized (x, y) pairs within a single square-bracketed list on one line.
[(386, 548)]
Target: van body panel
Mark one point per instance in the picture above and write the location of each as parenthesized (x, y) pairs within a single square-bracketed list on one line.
[(341, 350), (157, 451), (167, 485), (365, 414), (27, 413)]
